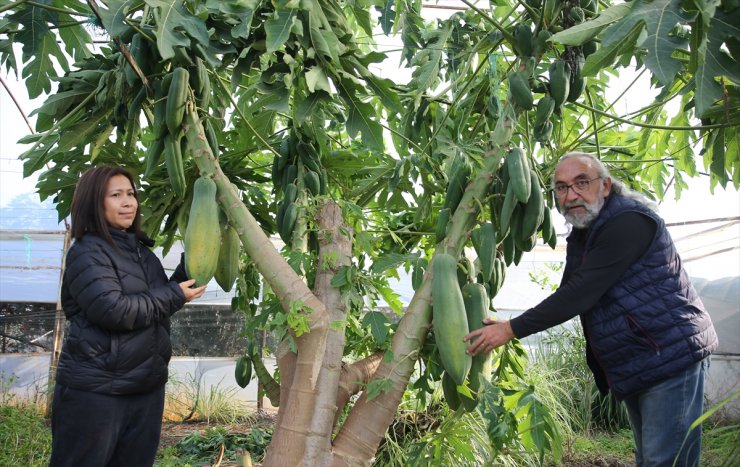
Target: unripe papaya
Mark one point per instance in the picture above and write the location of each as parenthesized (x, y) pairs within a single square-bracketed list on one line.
[(450, 319), (545, 108), (175, 166), (177, 96), (243, 371), (534, 210), (589, 48), (449, 389), (228, 257), (540, 45), (519, 179), (288, 222), (542, 133), (203, 233), (476, 306), (312, 182), (442, 221), (456, 187), (559, 72), (519, 90), (486, 249), (523, 38), (507, 209)]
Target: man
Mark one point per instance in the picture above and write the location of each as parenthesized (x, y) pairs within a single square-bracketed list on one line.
[(647, 333)]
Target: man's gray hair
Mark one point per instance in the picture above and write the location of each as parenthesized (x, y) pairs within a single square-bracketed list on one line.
[(618, 186)]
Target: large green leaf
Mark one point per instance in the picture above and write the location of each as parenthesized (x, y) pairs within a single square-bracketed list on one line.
[(586, 31), (39, 46), (713, 62), (659, 17), (605, 56), (113, 16), (176, 26), (278, 28)]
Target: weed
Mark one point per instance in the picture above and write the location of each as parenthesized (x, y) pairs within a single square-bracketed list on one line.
[(214, 443), (24, 437)]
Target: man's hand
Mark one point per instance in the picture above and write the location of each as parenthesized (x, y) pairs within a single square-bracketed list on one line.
[(493, 334)]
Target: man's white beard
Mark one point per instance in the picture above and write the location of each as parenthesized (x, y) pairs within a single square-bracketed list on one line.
[(583, 220)]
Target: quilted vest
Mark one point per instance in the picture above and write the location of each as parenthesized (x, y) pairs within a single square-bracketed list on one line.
[(651, 324)]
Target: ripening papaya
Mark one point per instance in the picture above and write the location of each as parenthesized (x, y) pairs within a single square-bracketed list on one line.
[(203, 233)]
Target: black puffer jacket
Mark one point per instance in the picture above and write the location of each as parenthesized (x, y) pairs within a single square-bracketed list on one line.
[(119, 302)]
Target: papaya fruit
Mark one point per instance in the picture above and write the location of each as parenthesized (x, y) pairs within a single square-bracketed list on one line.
[(559, 73), (203, 233), (442, 221), (523, 40), (176, 98), (449, 389), (228, 257), (486, 249), (175, 166), (476, 306), (534, 210), (449, 317), (243, 371), (519, 179), (457, 184), (519, 89)]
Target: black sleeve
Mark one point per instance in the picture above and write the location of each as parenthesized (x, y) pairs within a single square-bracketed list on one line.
[(621, 242), (180, 275)]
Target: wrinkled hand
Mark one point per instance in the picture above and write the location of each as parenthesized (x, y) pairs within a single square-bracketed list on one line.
[(493, 334), (190, 292)]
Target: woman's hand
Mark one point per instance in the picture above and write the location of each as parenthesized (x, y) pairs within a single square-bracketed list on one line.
[(493, 334), (190, 292)]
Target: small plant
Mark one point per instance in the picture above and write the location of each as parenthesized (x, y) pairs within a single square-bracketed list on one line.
[(214, 444), (187, 400)]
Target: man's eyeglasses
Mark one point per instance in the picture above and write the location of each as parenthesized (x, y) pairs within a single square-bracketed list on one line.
[(579, 186)]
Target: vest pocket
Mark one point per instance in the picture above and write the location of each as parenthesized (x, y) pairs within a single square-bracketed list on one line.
[(642, 334)]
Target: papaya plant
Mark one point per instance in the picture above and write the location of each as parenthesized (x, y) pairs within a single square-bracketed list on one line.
[(258, 119)]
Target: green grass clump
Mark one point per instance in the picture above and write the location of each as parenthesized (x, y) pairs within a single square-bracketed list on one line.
[(24, 437)]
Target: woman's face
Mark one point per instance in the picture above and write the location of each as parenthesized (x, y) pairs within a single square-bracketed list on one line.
[(120, 203)]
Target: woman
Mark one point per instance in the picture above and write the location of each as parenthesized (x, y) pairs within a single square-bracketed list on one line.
[(109, 394)]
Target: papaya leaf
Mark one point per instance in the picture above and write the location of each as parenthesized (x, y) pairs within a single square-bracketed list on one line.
[(316, 79), (606, 55), (663, 16), (378, 324), (39, 67), (360, 120), (307, 107), (323, 39), (377, 386), (176, 26), (75, 39), (278, 28), (586, 31), (113, 16), (712, 62)]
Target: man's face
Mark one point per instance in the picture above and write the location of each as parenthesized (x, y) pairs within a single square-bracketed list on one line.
[(579, 191)]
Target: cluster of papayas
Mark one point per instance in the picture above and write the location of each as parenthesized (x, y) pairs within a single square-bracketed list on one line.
[(296, 172)]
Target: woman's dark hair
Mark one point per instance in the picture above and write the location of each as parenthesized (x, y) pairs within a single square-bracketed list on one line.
[(88, 208)]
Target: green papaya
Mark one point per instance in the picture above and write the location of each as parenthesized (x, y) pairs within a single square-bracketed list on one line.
[(449, 317), (518, 167), (228, 257), (519, 89)]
